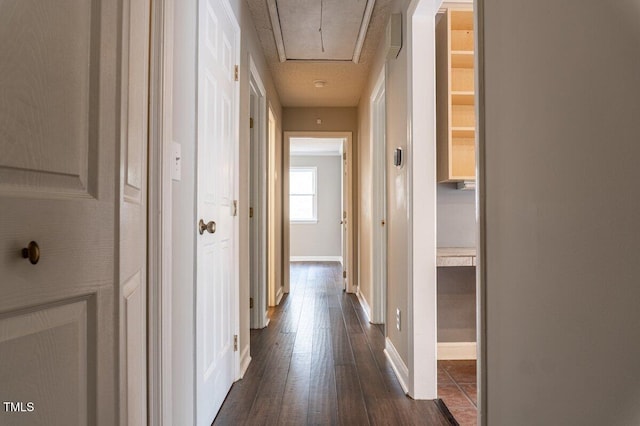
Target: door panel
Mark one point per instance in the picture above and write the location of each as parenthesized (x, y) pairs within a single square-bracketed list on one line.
[(58, 105), (216, 150), (53, 353), (45, 113), (133, 212)]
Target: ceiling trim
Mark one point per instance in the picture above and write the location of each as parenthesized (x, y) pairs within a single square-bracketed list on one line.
[(363, 30), (277, 34), (277, 31)]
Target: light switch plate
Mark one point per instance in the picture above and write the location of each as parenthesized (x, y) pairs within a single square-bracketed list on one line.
[(176, 161)]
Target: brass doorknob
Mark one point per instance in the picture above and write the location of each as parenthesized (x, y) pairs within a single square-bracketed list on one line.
[(210, 227), (32, 252)]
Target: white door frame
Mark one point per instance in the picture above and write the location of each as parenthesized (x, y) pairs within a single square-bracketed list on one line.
[(259, 317), (159, 215), (379, 200), (348, 137), (421, 171), (274, 212)]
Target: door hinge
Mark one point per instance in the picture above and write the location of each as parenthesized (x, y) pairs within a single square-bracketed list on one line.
[(344, 155), (235, 73), (250, 212), (235, 343), (251, 122), (344, 274), (235, 208), (251, 303)]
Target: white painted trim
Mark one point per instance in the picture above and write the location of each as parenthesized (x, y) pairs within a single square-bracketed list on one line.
[(277, 31), (378, 199), (279, 295), (481, 227), (316, 259), (456, 350), (365, 305), (245, 360), (421, 204), (399, 367), (364, 26), (259, 294), (159, 214)]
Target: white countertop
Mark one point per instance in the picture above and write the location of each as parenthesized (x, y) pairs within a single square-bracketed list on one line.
[(456, 256)]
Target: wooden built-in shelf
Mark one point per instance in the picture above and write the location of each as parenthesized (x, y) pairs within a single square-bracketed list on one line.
[(455, 96)]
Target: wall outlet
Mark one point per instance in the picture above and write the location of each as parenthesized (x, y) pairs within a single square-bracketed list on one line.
[(398, 318)]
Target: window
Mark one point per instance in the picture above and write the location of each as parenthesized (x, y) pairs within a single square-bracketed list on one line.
[(302, 194)]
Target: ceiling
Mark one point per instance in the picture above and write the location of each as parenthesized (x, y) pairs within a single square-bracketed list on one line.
[(299, 21), (315, 146)]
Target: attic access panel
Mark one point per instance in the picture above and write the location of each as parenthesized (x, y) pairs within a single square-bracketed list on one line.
[(297, 23)]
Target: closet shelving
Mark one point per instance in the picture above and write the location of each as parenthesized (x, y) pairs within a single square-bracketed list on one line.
[(455, 96)]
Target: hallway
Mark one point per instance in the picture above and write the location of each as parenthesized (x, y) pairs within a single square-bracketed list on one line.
[(320, 362)]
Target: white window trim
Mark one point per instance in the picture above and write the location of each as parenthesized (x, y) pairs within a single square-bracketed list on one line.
[(314, 220)]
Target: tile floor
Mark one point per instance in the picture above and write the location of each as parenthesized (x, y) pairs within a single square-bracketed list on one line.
[(457, 388)]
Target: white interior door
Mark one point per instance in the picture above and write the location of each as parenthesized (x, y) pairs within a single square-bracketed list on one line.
[(133, 212), (58, 188), (218, 39)]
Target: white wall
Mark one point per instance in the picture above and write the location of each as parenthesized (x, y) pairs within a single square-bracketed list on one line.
[(324, 237), (456, 216), (183, 213), (561, 269), (456, 227), (183, 192)]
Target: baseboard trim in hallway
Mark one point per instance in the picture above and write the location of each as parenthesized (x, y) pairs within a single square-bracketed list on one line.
[(245, 360), (365, 305), (399, 367)]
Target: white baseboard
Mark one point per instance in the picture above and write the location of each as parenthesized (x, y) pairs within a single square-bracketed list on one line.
[(457, 350), (279, 295), (399, 367), (316, 259), (245, 360), (266, 318), (364, 304)]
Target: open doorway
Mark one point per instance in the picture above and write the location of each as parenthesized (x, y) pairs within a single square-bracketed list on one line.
[(319, 205), (444, 109), (455, 201)]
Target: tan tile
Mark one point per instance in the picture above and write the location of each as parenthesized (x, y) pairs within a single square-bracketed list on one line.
[(443, 377), (461, 371), (453, 396), (472, 392), (465, 416)]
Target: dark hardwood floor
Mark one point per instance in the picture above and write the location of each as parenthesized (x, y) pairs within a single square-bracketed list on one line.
[(320, 362)]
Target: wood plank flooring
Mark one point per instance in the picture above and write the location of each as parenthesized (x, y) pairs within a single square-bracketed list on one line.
[(320, 362)]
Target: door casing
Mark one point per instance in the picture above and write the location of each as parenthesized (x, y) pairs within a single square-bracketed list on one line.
[(348, 258)]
